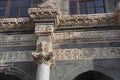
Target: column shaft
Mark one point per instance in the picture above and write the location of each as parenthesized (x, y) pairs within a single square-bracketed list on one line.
[(43, 72)]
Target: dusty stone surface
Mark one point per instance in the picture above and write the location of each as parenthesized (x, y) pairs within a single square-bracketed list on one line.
[(89, 36), (15, 56), (17, 40)]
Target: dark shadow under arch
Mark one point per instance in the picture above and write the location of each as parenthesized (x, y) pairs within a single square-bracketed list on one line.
[(4, 76), (92, 75)]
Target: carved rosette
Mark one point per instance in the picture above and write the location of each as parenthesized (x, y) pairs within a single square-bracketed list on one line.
[(44, 53)]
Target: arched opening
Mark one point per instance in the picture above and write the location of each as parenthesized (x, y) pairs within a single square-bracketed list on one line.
[(92, 75), (4, 76)]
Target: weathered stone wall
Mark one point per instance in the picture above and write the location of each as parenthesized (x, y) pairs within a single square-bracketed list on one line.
[(78, 43), (68, 70)]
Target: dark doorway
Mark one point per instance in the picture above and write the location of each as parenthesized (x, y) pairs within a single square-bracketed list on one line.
[(93, 75), (4, 76)]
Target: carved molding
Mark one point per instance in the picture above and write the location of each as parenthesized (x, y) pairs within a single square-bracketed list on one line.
[(44, 13), (87, 53), (44, 29), (44, 53), (87, 20), (117, 13), (89, 36), (7, 24)]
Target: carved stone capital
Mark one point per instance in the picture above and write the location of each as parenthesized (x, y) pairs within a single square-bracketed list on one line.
[(44, 29), (44, 53), (43, 57)]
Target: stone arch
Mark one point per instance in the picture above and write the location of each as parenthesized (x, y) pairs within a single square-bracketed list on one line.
[(4, 76), (79, 70), (92, 75), (14, 71)]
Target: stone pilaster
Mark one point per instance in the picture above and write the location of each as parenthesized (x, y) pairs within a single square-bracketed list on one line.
[(43, 56), (44, 51), (46, 18)]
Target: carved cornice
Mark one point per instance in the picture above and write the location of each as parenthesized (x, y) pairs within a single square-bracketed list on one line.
[(44, 13), (117, 14), (44, 30), (89, 36), (87, 53), (87, 20), (7, 24)]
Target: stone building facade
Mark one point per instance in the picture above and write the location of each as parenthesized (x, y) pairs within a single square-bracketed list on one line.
[(50, 44)]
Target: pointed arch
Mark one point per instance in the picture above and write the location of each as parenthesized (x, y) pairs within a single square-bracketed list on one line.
[(92, 75)]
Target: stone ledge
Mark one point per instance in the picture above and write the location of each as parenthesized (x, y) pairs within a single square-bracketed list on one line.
[(89, 36), (15, 56)]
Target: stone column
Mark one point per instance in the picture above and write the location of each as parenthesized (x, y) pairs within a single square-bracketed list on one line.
[(43, 72), (44, 53)]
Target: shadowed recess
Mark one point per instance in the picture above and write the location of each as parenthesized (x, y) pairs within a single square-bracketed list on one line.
[(4, 76), (93, 75)]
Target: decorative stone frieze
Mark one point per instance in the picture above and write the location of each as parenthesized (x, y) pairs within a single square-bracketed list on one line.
[(87, 53), (44, 53), (87, 20), (44, 13), (44, 29), (89, 36), (8, 24), (117, 14)]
